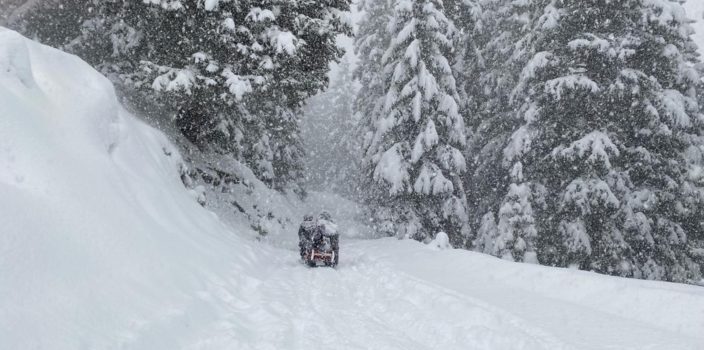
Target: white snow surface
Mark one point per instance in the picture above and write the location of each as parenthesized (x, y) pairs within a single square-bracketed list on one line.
[(102, 247)]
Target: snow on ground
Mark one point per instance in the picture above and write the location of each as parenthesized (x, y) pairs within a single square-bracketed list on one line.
[(100, 244), (390, 294), (102, 247)]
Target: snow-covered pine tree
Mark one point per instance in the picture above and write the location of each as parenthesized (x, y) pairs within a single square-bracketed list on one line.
[(416, 137), (609, 110), (267, 56), (501, 32), (371, 41), (486, 236), (517, 234), (468, 17), (467, 63)]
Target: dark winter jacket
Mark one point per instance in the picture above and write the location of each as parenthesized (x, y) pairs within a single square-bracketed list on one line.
[(306, 234)]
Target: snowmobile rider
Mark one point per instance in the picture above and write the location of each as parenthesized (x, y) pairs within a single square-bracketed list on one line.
[(305, 234), (312, 231), (325, 226)]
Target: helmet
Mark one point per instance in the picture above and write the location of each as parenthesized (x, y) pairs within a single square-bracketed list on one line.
[(325, 215)]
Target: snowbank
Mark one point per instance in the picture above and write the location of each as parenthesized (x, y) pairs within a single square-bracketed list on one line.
[(99, 239)]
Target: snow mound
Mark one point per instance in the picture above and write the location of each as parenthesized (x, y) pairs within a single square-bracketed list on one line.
[(99, 240)]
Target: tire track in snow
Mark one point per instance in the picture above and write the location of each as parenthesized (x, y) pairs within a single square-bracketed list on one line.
[(363, 304)]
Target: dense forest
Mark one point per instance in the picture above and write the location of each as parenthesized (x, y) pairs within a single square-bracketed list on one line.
[(561, 132)]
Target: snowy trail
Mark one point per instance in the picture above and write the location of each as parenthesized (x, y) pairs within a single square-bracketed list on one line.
[(400, 295), (365, 304)]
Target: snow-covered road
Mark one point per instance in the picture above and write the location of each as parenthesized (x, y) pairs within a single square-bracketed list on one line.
[(389, 294), (365, 304)]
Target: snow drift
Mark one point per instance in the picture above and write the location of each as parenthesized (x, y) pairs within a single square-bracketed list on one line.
[(102, 247), (99, 239)]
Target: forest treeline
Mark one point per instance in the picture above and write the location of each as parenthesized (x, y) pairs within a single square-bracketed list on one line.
[(560, 132)]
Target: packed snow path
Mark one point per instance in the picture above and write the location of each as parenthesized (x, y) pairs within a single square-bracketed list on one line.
[(389, 294)]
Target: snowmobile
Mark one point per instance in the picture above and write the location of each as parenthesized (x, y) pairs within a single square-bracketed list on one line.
[(324, 251), (319, 241)]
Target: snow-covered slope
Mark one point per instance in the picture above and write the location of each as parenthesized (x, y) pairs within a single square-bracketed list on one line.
[(102, 247), (100, 244)]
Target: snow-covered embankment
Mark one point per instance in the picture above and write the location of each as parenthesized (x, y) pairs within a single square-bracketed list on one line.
[(99, 239)]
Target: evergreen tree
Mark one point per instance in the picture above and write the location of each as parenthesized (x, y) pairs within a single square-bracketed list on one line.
[(608, 103), (469, 17), (502, 32), (371, 41), (267, 56), (486, 238), (416, 137)]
